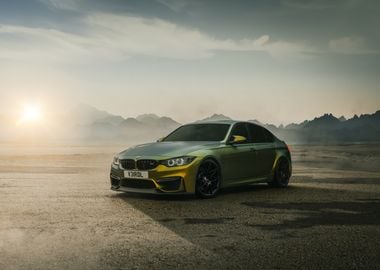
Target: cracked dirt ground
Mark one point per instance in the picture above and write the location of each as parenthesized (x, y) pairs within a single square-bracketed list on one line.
[(57, 212)]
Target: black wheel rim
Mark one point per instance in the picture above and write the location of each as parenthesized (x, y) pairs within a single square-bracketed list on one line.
[(283, 172), (208, 178)]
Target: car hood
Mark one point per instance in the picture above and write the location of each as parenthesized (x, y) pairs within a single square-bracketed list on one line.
[(166, 149)]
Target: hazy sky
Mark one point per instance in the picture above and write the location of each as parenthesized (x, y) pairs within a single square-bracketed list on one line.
[(276, 61)]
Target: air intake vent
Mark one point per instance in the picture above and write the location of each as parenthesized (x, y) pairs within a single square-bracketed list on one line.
[(137, 183)]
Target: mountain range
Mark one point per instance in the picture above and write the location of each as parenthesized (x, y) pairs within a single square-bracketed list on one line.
[(93, 124), (87, 123), (330, 129)]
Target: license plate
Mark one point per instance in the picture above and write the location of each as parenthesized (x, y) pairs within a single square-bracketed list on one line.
[(136, 174)]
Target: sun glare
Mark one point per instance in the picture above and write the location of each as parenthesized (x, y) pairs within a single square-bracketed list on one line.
[(31, 113)]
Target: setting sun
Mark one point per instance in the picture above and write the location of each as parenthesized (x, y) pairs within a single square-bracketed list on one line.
[(31, 113)]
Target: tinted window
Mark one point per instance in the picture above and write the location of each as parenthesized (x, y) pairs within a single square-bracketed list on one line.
[(268, 136), (259, 134), (199, 132), (239, 129)]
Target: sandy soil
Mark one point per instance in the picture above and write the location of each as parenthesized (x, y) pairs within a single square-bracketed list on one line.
[(57, 212)]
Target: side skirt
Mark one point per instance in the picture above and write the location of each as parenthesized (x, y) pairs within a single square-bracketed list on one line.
[(248, 181)]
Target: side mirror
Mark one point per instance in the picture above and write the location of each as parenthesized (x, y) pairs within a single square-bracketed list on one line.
[(238, 139)]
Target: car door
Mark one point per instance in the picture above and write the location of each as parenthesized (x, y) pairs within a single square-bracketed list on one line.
[(263, 143), (238, 159)]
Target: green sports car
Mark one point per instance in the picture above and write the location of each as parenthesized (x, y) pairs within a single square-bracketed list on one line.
[(202, 158)]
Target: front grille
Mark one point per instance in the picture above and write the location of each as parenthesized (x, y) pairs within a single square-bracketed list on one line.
[(146, 164), (137, 183), (128, 164), (142, 164)]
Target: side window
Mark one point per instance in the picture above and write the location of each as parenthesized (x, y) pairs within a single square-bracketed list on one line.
[(268, 136), (239, 129), (257, 134)]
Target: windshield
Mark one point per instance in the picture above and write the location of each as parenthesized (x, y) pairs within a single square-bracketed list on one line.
[(199, 132)]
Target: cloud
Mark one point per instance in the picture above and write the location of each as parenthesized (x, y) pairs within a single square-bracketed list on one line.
[(120, 36), (61, 4), (174, 5), (159, 38), (316, 4), (350, 45), (26, 43)]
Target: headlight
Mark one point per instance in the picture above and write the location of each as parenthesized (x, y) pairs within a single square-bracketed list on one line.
[(116, 161), (179, 161)]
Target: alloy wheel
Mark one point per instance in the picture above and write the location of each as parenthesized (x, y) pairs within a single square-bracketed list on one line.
[(208, 179)]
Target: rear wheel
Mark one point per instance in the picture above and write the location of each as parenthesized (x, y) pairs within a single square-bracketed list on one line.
[(281, 174), (208, 179)]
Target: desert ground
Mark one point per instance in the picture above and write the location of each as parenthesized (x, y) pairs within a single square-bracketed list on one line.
[(57, 212)]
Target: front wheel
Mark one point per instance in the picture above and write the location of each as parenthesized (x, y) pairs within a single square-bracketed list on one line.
[(281, 174), (208, 179)]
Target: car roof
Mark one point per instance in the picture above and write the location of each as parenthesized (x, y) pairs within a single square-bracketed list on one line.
[(224, 121)]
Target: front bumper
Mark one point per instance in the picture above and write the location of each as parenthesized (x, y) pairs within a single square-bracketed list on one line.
[(161, 180)]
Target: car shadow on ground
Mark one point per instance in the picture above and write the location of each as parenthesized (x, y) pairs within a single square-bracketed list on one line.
[(335, 213), (254, 220)]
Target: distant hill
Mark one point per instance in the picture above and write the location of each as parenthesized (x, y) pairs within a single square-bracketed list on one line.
[(156, 121), (83, 114), (329, 129), (87, 123), (93, 124), (215, 117), (148, 117)]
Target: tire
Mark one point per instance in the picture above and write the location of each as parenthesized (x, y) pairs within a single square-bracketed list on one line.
[(208, 178), (281, 174)]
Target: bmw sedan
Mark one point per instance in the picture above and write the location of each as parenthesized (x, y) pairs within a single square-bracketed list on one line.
[(203, 157)]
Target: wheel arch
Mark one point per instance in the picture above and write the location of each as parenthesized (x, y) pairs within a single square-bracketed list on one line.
[(215, 159), (212, 157)]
